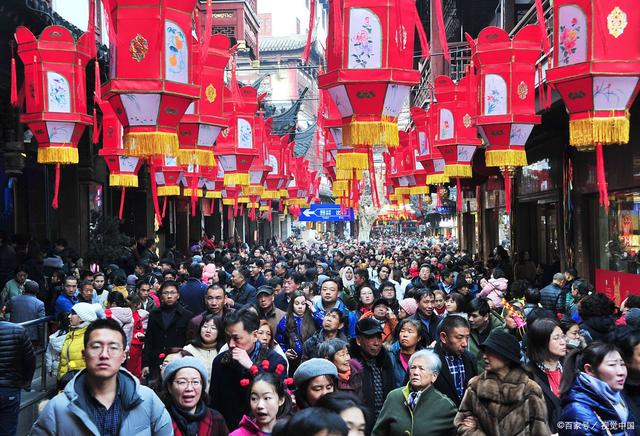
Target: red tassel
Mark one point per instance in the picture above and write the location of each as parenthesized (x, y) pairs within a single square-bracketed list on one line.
[(97, 96), (122, 195), (154, 193), (252, 214), (424, 41), (14, 82), (235, 209), (601, 177), (459, 196), (442, 34), (337, 29), (95, 136), (56, 188), (280, 205), (229, 213), (194, 196), (164, 207), (269, 215), (546, 46), (312, 22), (36, 82), (507, 190), (373, 182)]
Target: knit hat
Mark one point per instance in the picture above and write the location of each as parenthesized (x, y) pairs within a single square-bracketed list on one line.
[(632, 317), (313, 368), (132, 279), (86, 311), (409, 305), (185, 362), (504, 345)]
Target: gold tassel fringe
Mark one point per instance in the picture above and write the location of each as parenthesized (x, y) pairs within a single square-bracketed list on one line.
[(186, 192), (58, 155), (204, 158), (124, 180), (458, 170), (166, 191), (348, 174), (235, 179), (228, 201), (283, 193), (265, 208), (213, 194), (370, 133), (270, 195), (437, 179), (419, 190), (243, 200), (146, 144), (585, 134), (506, 158), (350, 161), (253, 190), (253, 205)]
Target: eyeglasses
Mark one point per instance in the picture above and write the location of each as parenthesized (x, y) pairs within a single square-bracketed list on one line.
[(170, 293), (182, 384), (97, 349)]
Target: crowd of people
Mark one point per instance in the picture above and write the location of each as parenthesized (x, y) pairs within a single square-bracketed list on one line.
[(403, 335)]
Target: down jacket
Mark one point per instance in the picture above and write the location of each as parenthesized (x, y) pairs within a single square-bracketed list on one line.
[(52, 356), (17, 361), (71, 353)]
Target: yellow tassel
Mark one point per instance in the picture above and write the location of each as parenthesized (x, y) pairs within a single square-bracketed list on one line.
[(585, 134), (235, 179), (228, 201), (243, 200), (125, 180), (437, 179), (403, 190), (270, 195), (341, 185), (253, 205), (204, 158), (253, 190), (283, 193), (419, 190), (506, 158), (350, 161), (265, 208), (213, 194), (370, 133), (57, 155), (146, 144), (166, 191), (186, 192), (458, 170), (348, 174)]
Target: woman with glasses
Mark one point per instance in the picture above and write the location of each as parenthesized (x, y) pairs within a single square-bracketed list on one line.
[(208, 343), (186, 401), (546, 349)]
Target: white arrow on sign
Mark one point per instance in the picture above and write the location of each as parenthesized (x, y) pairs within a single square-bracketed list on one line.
[(309, 213)]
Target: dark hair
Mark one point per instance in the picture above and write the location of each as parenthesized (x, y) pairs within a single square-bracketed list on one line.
[(421, 293), (169, 283), (217, 321), (301, 391), (307, 328), (275, 281), (518, 288), (458, 299), (69, 277), (195, 270), (312, 421), (362, 273), (532, 296), (595, 305), (117, 298), (453, 322), (593, 355), (244, 272), (84, 274), (626, 339), (572, 272), (279, 387), (108, 324), (498, 274), (85, 283), (480, 305), (340, 401), (248, 317), (295, 276), (585, 289), (134, 300), (119, 279), (259, 262), (422, 334), (328, 348), (538, 337)]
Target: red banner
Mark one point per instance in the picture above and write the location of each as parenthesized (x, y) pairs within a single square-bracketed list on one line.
[(617, 285)]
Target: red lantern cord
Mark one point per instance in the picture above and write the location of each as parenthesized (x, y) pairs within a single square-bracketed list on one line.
[(506, 172), (164, 207), (312, 22), (35, 79), (56, 188), (601, 177), (543, 27), (459, 196), (337, 28), (154, 192), (442, 34), (122, 195), (14, 80), (194, 195), (373, 182), (95, 136)]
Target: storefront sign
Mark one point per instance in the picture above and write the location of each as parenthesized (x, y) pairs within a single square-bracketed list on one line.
[(617, 285)]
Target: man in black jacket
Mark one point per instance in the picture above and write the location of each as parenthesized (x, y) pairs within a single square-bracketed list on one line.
[(427, 316), (17, 365), (244, 358), (367, 349), (458, 365), (242, 294), (167, 328)]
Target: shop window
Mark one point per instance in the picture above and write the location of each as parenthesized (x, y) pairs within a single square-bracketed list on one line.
[(536, 177), (619, 233)]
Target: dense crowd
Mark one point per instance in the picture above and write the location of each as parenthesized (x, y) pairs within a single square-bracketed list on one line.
[(403, 335)]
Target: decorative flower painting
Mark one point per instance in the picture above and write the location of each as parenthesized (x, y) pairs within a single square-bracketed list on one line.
[(245, 136), (446, 124), (128, 163), (424, 143), (520, 133), (465, 153), (339, 96), (395, 97), (365, 39), (59, 96), (176, 53), (495, 95), (612, 93), (142, 109), (60, 133), (572, 38)]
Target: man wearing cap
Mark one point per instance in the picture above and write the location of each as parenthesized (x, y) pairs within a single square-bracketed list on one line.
[(27, 307), (103, 398), (381, 312), (367, 348), (503, 400), (266, 309)]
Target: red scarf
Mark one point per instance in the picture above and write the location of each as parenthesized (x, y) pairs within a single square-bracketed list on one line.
[(345, 376)]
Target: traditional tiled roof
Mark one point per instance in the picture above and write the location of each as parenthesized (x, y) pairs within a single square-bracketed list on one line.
[(304, 139), (282, 43)]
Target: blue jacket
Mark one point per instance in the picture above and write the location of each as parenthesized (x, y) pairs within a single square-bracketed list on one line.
[(64, 304), (261, 280), (581, 404), (192, 294), (27, 307), (399, 373), (320, 312), (244, 296), (282, 335)]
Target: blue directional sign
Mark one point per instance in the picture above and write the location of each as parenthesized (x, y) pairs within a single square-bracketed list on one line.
[(326, 213)]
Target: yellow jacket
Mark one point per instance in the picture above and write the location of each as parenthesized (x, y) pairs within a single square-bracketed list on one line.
[(71, 353)]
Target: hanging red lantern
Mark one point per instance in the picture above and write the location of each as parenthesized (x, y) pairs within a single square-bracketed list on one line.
[(151, 82), (55, 87), (204, 118), (428, 155), (506, 72), (596, 70)]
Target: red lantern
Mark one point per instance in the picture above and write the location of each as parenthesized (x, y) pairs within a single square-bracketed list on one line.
[(203, 120), (596, 71), (151, 82), (56, 105), (507, 69), (428, 155)]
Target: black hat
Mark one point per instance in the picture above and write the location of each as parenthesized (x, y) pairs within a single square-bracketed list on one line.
[(264, 290), (379, 301), (167, 262), (460, 282), (504, 345), (368, 327)]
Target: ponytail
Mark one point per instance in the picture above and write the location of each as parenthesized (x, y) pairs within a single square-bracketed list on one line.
[(593, 355)]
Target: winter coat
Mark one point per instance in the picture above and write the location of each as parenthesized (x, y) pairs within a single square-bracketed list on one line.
[(354, 384), (320, 312), (63, 303), (27, 307), (65, 414), (475, 340), (553, 403), (192, 294), (388, 329), (243, 296), (382, 361), (206, 356), (511, 406), (444, 383), (431, 328), (17, 360), (551, 298), (247, 427), (597, 328), (582, 404), (52, 355), (310, 348), (273, 317), (211, 424), (495, 290), (194, 323), (399, 373), (124, 317), (159, 338), (283, 337), (433, 414), (71, 358)]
